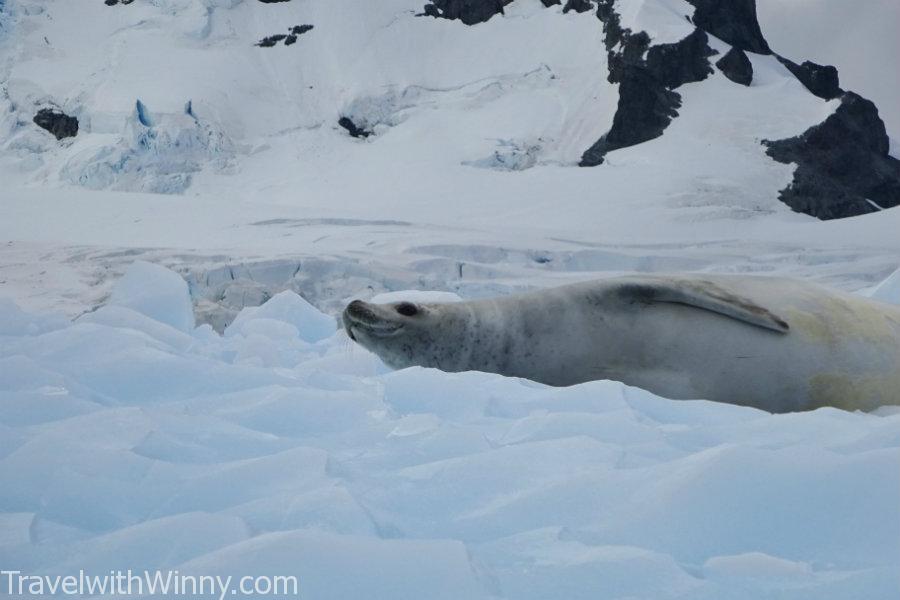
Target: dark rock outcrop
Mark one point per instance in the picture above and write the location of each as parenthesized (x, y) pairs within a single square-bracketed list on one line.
[(644, 111), (469, 12), (647, 77), (733, 21), (578, 6), (269, 41), (842, 164), (683, 62), (273, 1), (353, 129), (736, 66), (296, 31), (821, 80), (289, 38), (114, 2), (56, 122)]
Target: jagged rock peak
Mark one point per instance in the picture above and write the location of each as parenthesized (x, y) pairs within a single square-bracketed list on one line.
[(843, 165), (733, 21), (736, 66), (578, 6), (821, 80), (469, 12), (647, 77)]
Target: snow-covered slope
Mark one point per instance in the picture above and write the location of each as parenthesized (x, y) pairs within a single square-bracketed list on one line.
[(525, 88)]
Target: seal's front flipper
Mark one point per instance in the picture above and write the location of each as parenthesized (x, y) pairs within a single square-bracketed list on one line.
[(704, 295)]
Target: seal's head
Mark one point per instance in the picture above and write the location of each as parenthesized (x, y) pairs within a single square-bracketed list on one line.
[(408, 333)]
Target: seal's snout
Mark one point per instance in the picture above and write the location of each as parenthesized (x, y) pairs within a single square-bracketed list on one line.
[(358, 313), (368, 318), (355, 313), (358, 309)]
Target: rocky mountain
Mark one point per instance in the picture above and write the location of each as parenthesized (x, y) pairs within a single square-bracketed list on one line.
[(843, 164), (154, 95)]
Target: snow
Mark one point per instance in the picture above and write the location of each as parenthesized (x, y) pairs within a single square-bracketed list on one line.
[(754, 564), (14, 321), (157, 417), (155, 292), (287, 307), (665, 21), (133, 444), (888, 290)]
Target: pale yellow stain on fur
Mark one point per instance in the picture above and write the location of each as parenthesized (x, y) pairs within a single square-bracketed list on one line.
[(835, 321), (849, 392)]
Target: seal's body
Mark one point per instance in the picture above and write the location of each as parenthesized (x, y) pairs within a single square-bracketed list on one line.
[(777, 344)]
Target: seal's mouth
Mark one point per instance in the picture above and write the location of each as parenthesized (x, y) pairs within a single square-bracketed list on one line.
[(360, 317)]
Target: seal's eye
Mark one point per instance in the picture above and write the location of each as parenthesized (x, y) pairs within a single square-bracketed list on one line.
[(407, 309)]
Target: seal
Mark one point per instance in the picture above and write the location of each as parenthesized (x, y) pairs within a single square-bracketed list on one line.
[(780, 345)]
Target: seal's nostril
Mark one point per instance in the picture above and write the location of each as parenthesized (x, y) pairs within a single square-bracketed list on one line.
[(407, 309)]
